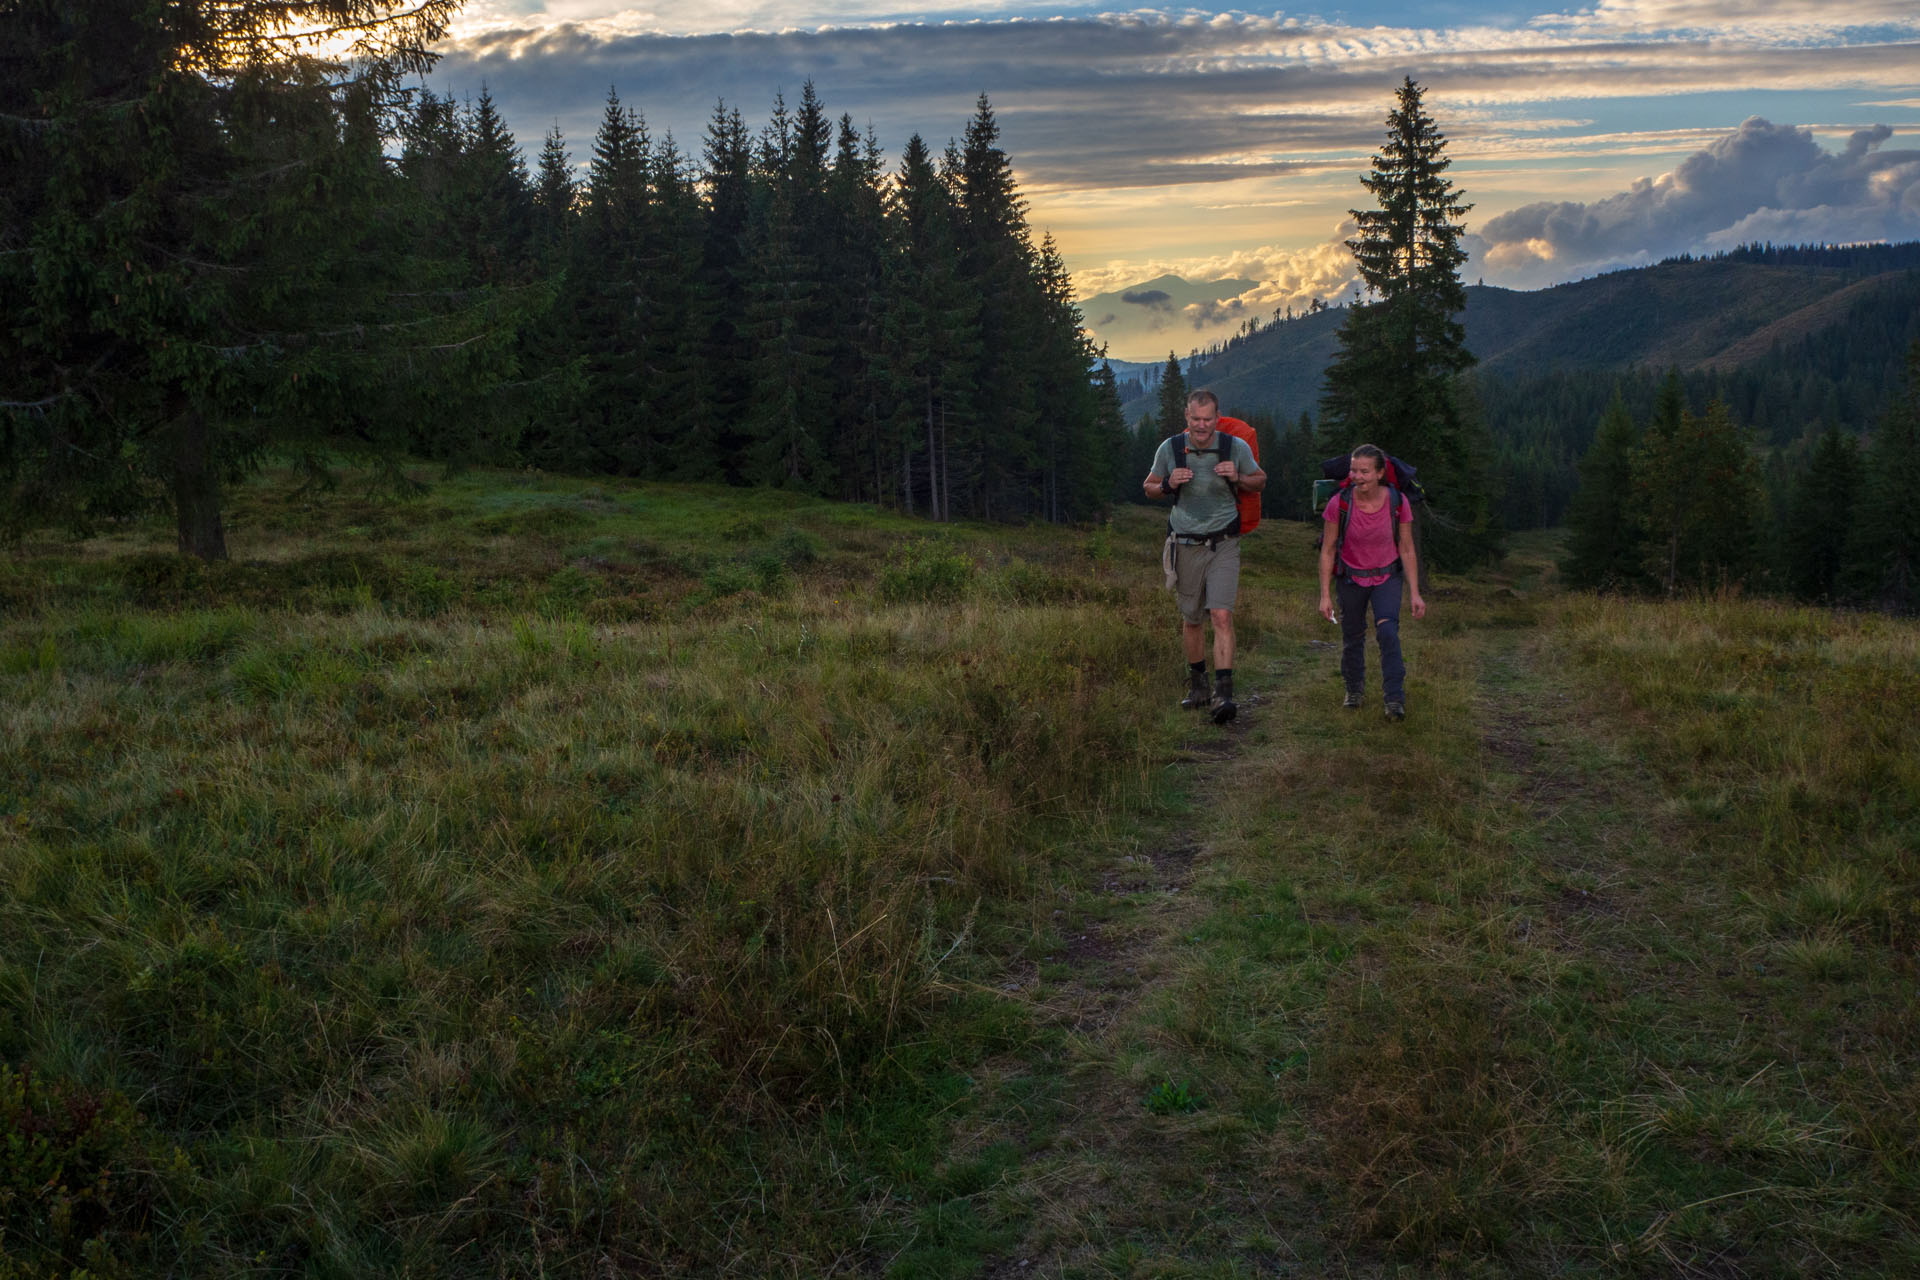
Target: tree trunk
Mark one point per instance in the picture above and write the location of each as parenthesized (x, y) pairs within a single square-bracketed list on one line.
[(946, 471), (196, 489), (933, 463)]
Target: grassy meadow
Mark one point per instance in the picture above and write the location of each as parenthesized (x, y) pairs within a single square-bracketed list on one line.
[(546, 877)]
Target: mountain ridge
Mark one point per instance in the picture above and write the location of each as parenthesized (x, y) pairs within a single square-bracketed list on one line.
[(1715, 314)]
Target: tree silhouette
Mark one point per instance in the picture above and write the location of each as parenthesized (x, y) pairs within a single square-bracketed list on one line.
[(1394, 380)]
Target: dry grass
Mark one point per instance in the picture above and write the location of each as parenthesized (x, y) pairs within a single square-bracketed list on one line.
[(483, 924), (528, 881), (1600, 964)]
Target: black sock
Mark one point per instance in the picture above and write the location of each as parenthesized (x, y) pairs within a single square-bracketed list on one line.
[(1223, 673), (1198, 668)]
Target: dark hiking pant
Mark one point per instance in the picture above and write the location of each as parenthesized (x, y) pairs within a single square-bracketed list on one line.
[(1384, 599)]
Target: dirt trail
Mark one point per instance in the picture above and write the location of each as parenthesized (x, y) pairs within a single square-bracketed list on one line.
[(1084, 1187), (1106, 1183), (1574, 841)]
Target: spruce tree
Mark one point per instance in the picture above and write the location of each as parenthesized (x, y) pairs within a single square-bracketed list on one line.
[(1124, 483), (1078, 457), (723, 351), (616, 196), (1883, 558), (1606, 544), (1731, 504), (1143, 442), (551, 434), (1292, 468), (788, 408), (1700, 488), (554, 193), (1661, 487), (1819, 519), (608, 305), (930, 330), (1394, 381), (854, 261), (1172, 418), (788, 413), (497, 214), (998, 448), (195, 265), (669, 264)]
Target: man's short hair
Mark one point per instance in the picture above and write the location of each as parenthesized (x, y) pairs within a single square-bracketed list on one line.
[(1203, 396)]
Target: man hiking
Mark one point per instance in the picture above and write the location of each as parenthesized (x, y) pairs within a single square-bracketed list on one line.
[(1203, 471), (1369, 547)]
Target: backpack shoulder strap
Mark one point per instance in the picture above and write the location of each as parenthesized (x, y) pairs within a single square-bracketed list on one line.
[(1342, 497), (1179, 448), (1393, 521)]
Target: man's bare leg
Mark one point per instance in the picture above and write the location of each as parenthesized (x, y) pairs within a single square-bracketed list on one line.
[(1223, 704), (1222, 640)]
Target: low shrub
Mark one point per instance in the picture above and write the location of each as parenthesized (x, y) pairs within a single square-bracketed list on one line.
[(76, 1183), (926, 571)]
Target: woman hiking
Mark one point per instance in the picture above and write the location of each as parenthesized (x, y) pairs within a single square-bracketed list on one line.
[(1370, 550)]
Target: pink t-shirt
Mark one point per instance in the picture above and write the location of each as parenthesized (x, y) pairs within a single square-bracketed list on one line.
[(1370, 543)]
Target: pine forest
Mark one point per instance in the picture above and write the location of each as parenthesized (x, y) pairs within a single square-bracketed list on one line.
[(222, 252)]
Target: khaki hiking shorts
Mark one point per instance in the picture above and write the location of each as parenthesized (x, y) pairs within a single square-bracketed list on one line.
[(1206, 577)]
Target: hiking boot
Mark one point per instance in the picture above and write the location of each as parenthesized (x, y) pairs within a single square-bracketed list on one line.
[(1224, 707), (1352, 701), (1396, 711), (1199, 692)]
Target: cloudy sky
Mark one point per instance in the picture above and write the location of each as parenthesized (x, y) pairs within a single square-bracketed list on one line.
[(1229, 144)]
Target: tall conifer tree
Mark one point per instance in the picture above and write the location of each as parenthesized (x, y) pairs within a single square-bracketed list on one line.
[(1078, 458), (1660, 483), (1819, 521), (1607, 545), (609, 305), (554, 193), (998, 447), (788, 410), (1172, 419), (1700, 492), (498, 202), (930, 329), (1292, 467), (1883, 559), (202, 279), (1394, 381), (724, 275), (854, 263)]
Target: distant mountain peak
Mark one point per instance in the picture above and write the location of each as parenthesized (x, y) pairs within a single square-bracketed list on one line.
[(1691, 313), (1138, 318)]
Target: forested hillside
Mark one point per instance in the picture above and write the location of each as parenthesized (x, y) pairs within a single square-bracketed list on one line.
[(1790, 340), (219, 248)]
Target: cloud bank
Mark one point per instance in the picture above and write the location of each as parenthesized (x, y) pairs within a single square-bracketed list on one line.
[(1158, 142), (1149, 100), (1761, 182)]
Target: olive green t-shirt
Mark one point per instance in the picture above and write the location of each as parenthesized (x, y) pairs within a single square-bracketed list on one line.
[(1206, 503)]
